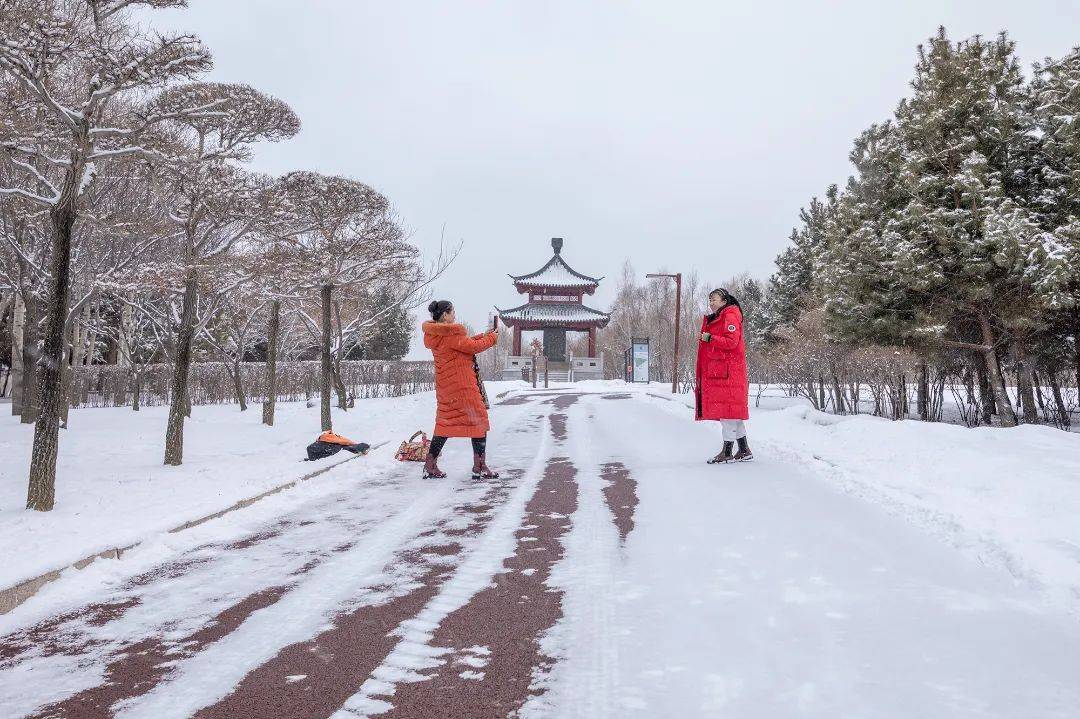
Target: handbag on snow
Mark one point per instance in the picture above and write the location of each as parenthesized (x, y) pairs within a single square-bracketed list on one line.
[(412, 450)]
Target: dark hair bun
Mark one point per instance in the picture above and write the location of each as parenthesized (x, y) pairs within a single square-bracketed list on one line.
[(439, 308)]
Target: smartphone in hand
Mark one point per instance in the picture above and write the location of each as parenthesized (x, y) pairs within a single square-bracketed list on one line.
[(494, 322)]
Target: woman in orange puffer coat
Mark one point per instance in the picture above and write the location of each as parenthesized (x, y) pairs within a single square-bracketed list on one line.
[(462, 405)]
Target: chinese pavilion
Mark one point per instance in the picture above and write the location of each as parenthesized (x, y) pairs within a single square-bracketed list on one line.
[(555, 307)]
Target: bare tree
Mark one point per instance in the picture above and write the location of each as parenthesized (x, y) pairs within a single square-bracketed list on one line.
[(216, 204), (347, 239), (74, 60)]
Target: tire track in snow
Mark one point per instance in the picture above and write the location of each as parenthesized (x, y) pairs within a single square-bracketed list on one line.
[(211, 674), (313, 678), (137, 655), (417, 650), (142, 665), (583, 680), (491, 644), (120, 649), (459, 512)]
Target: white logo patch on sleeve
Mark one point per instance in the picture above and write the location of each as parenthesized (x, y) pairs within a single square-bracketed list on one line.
[(731, 328)]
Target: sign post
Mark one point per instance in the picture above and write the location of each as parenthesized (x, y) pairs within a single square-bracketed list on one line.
[(640, 359)]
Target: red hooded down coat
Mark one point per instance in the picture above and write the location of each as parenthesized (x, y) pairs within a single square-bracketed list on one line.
[(722, 385), (461, 411)]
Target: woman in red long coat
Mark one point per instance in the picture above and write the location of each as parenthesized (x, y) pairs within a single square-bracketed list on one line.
[(462, 404), (722, 387)]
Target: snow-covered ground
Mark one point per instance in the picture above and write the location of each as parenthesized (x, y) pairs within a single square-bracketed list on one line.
[(858, 567), (1006, 497), (112, 489)]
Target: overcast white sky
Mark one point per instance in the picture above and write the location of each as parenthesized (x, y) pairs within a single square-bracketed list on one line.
[(679, 134)]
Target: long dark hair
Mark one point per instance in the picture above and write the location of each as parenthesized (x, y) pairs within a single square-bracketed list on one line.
[(726, 296), (438, 308)]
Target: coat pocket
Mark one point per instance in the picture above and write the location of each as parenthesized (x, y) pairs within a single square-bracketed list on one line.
[(718, 369)]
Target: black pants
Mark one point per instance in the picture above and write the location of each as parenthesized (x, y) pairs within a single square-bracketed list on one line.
[(479, 445)]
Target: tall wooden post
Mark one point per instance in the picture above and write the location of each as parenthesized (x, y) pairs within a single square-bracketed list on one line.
[(678, 321), (517, 341), (678, 316)]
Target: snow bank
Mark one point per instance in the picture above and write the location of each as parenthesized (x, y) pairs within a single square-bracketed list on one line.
[(1009, 497)]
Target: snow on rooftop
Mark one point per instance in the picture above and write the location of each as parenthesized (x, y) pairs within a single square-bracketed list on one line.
[(554, 313), (556, 273)]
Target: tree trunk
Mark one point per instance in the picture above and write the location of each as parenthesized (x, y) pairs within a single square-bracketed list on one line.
[(937, 398), (1039, 399), (136, 391), (905, 406), (838, 393), (18, 331), (1059, 401), (986, 395), (922, 397), (1025, 383), (270, 404), (1076, 354), (969, 384), (180, 406), (238, 385), (42, 486), (325, 379), (339, 385), (997, 383), (821, 392), (31, 379)]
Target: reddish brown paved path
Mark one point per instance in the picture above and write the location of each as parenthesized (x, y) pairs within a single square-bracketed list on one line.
[(493, 640)]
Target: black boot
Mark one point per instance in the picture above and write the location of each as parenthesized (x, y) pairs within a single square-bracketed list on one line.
[(744, 454), (724, 456)]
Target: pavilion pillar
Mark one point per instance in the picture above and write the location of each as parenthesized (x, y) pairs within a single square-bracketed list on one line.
[(592, 341), (517, 341)]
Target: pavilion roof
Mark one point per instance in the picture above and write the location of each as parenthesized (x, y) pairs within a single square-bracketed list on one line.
[(556, 274), (554, 314)]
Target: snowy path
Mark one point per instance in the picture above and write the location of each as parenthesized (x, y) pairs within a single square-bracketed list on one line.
[(757, 591), (610, 573)]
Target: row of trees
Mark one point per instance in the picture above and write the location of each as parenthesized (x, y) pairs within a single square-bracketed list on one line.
[(956, 242), (132, 228), (948, 268)]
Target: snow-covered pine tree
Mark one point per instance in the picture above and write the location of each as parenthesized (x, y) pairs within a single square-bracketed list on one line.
[(1055, 174), (792, 288), (960, 135), (389, 338)]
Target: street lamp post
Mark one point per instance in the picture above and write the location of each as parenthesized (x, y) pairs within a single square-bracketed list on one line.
[(678, 315)]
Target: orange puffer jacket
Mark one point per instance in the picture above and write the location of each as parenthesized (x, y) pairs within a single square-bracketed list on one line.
[(461, 411)]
